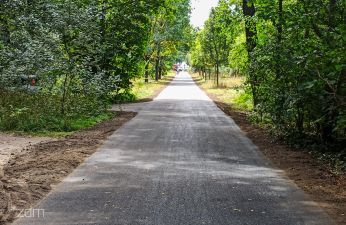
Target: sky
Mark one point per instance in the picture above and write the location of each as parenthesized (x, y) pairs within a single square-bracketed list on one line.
[(201, 10)]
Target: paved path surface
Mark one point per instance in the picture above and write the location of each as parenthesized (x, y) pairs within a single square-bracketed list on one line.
[(181, 161)]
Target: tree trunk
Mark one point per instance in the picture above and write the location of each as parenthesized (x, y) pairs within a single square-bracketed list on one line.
[(160, 71), (280, 22), (103, 33), (69, 72), (63, 100), (146, 73), (250, 26), (251, 34), (205, 75), (157, 64), (279, 39), (279, 72), (336, 106), (217, 74)]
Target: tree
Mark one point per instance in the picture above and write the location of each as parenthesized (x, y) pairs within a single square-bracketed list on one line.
[(292, 53), (83, 53), (251, 35), (215, 40), (300, 67), (171, 35)]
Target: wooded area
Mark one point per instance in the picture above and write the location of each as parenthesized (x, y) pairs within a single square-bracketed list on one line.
[(293, 55), (64, 62)]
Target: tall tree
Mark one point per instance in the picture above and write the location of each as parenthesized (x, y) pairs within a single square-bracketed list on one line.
[(215, 40), (251, 36), (293, 55), (171, 34)]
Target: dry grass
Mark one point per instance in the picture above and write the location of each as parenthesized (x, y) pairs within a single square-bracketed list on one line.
[(146, 91), (230, 90)]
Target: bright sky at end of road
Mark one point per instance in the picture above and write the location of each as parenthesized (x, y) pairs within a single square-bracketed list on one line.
[(200, 11)]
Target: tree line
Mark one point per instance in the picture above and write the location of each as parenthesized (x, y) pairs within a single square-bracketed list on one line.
[(65, 60), (293, 55)]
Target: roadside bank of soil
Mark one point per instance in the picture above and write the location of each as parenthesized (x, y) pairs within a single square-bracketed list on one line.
[(31, 173), (11, 145)]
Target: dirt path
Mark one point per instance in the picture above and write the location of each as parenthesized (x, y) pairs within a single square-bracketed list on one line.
[(31, 174), (11, 145)]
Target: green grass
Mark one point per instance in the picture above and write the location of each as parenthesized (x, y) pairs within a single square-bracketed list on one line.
[(72, 125), (39, 114), (230, 91), (86, 122), (142, 90)]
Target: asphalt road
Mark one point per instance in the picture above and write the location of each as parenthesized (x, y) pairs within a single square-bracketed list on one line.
[(181, 161)]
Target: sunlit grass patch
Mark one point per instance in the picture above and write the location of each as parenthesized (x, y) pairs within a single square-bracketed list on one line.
[(231, 90), (86, 122), (142, 90)]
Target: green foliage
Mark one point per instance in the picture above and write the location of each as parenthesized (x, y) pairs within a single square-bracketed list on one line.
[(219, 44), (293, 54), (302, 83), (244, 101), (171, 36), (82, 54), (125, 96), (22, 111)]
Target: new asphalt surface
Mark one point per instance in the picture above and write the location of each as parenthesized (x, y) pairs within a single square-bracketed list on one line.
[(180, 161)]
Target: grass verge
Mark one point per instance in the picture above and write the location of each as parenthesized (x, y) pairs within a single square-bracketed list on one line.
[(230, 91), (148, 91), (74, 125)]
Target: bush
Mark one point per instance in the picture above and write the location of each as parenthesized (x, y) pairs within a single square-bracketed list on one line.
[(36, 112), (125, 96), (244, 101)]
